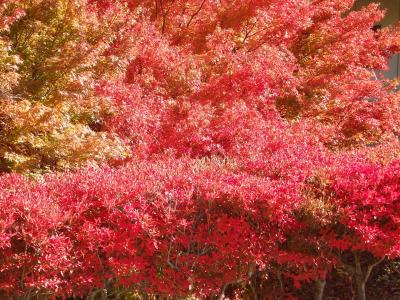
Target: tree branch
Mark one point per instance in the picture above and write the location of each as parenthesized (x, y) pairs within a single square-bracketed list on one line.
[(195, 14), (371, 267)]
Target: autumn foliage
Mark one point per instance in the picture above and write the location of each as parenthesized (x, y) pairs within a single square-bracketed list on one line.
[(175, 148)]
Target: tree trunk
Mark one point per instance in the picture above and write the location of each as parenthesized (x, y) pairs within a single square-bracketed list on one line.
[(319, 289), (361, 276), (360, 289)]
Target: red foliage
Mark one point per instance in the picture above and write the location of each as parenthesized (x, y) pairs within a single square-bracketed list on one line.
[(245, 121), (367, 197)]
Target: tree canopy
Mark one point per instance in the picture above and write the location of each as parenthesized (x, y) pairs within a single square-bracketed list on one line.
[(238, 149)]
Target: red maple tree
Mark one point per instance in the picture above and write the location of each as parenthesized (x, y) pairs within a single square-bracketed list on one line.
[(194, 147)]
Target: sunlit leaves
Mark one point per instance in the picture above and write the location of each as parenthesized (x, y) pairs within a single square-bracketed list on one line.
[(201, 142)]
